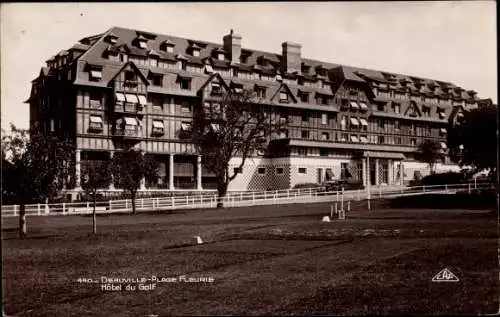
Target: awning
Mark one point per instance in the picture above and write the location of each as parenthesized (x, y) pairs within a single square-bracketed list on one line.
[(131, 98), (354, 121), (354, 105), (442, 130), (142, 100), (96, 74), (443, 145), (363, 106), (186, 126), (363, 139), (354, 138), (119, 96), (95, 119), (158, 124), (130, 121), (363, 121), (442, 115)]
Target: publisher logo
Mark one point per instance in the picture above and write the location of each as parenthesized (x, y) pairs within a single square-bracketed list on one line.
[(445, 276)]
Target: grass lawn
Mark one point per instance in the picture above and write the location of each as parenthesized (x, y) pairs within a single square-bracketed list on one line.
[(272, 260)]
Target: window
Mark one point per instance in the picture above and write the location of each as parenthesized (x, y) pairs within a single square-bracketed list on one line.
[(283, 97), (158, 128), (305, 134), (157, 80), (344, 104), (303, 96), (354, 138), (196, 52), (279, 170), (324, 118), (153, 61), (95, 75), (322, 100), (363, 139), (381, 124), (380, 107), (261, 170), (221, 56), (209, 69), (238, 170), (381, 139), (216, 89), (157, 104), (260, 91), (344, 171), (442, 131), (323, 152), (397, 125), (397, 140), (170, 49), (305, 116), (52, 126), (130, 76), (426, 111), (325, 136), (95, 124), (396, 107), (186, 108), (363, 106), (302, 170), (95, 99), (302, 151), (343, 137), (354, 105), (142, 44), (185, 83), (441, 113), (413, 142)]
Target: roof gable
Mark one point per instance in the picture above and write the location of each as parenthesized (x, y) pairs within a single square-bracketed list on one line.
[(413, 110), (283, 88), (216, 78), (130, 66)]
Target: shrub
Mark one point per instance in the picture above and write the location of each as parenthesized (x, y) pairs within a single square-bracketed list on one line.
[(443, 178), (307, 185)]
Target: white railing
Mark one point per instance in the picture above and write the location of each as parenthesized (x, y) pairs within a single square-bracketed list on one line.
[(234, 200)]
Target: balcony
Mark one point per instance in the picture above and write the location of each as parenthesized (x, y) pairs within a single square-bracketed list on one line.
[(130, 134), (129, 108)]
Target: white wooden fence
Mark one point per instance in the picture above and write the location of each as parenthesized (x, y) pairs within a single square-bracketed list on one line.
[(233, 200)]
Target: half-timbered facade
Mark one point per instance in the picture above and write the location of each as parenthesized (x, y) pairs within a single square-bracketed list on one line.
[(127, 88)]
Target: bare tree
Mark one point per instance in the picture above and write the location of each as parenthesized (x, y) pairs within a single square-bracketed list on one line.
[(235, 126), (96, 175)]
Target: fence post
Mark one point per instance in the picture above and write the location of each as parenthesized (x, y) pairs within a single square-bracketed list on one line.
[(38, 210), (15, 214), (423, 188), (109, 205), (153, 201), (253, 198), (348, 205), (173, 202), (379, 192), (63, 208), (446, 187), (126, 204), (469, 188)]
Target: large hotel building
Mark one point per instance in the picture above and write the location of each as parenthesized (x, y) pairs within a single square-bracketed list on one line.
[(128, 88)]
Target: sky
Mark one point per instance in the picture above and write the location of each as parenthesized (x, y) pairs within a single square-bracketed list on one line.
[(450, 41)]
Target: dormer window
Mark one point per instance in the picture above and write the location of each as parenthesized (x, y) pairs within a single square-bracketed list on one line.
[(260, 91), (237, 88), (195, 52), (158, 128), (95, 72), (167, 46), (221, 56), (142, 44), (130, 78), (216, 89), (283, 97), (184, 83), (156, 79), (303, 96), (426, 111), (279, 78)]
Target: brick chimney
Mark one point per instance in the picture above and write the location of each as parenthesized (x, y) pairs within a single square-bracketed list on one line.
[(291, 60), (232, 46)]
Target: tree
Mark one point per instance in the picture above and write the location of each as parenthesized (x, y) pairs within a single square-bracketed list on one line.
[(473, 142), (96, 174), (130, 168), (33, 168), (429, 152), (233, 126)]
